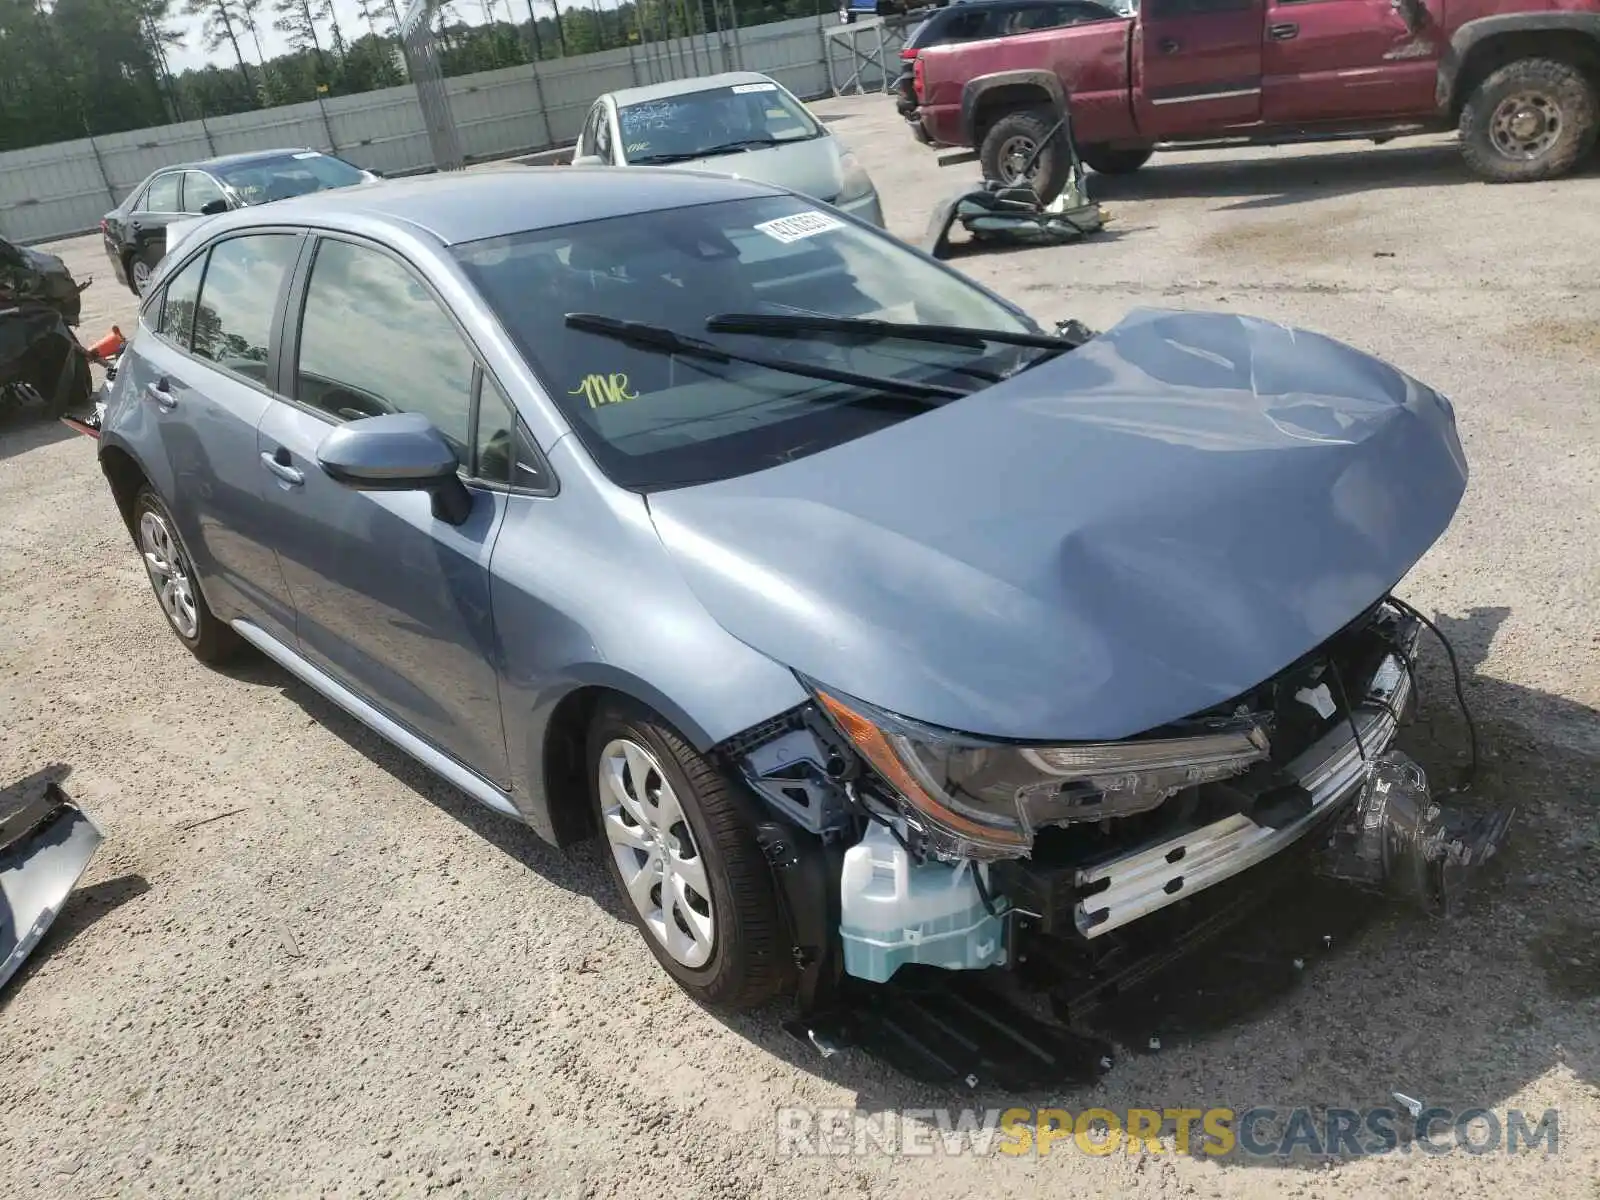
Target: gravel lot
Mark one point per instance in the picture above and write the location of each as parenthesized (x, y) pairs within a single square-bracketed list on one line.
[(300, 965)]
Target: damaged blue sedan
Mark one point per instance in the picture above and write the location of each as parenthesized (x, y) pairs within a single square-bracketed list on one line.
[(870, 625)]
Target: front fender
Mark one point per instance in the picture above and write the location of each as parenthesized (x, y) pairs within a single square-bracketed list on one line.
[(976, 89), (1474, 34)]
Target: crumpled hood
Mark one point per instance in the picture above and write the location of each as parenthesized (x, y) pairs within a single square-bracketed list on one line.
[(1142, 528), (809, 167)]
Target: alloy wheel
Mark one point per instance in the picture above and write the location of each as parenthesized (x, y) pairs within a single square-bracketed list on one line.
[(170, 574), (1525, 125), (1013, 158), (141, 275), (655, 852)]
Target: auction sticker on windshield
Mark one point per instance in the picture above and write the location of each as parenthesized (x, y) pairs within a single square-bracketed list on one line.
[(740, 89), (800, 225)]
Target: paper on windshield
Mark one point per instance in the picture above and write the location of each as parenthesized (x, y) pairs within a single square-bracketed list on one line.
[(739, 89), (800, 225)]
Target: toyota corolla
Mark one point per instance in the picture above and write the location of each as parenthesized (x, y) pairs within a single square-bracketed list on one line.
[(869, 623)]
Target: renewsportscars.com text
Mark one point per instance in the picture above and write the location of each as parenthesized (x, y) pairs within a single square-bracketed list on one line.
[(1259, 1132)]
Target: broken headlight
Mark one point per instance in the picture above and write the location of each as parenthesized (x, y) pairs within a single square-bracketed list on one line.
[(987, 798)]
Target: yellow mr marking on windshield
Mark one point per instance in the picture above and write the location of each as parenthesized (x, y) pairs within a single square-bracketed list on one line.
[(604, 389)]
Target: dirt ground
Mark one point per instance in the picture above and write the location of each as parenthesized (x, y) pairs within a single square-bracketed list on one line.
[(300, 965)]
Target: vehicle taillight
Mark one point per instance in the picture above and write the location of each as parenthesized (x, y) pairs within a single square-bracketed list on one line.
[(916, 76), (907, 53), (102, 224)]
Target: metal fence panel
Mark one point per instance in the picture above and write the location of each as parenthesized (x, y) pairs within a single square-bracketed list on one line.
[(64, 189)]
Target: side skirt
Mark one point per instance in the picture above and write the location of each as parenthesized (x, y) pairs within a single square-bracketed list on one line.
[(442, 765)]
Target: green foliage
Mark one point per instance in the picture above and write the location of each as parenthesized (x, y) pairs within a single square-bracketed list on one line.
[(70, 68)]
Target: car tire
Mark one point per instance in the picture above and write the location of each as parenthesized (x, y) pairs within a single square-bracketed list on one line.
[(1532, 119), (1010, 140), (141, 265), (1107, 160), (728, 949), (176, 586)]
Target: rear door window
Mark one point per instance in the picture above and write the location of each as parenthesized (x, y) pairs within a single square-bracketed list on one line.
[(176, 321), (238, 297), (163, 194)]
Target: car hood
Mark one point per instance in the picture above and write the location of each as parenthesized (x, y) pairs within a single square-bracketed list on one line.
[(1119, 538), (810, 167)]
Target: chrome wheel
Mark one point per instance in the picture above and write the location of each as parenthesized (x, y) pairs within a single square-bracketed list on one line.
[(170, 574), (1014, 155), (655, 852), (140, 273), (1525, 125)]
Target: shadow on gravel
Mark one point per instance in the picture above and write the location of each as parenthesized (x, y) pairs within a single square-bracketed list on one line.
[(25, 432), (580, 870), (1277, 182), (84, 906)]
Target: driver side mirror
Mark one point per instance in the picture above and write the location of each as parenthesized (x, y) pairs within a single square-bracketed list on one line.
[(212, 207), (397, 452)]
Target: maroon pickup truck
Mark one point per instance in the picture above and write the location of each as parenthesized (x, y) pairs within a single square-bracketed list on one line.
[(1519, 78)]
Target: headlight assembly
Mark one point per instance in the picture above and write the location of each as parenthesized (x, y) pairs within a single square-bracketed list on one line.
[(991, 797), (856, 183)]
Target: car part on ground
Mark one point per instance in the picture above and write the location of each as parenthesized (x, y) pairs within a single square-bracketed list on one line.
[(1518, 81), (724, 513), (105, 353), (46, 842), (42, 366), (1008, 213)]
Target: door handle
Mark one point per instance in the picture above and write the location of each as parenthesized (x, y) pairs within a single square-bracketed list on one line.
[(1283, 33), (164, 400), (281, 469), (1169, 45)]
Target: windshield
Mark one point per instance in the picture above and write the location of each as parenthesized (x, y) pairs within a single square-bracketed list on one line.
[(724, 120), (654, 420), (262, 180)]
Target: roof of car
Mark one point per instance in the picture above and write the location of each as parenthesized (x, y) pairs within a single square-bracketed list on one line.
[(683, 87), (243, 158), (464, 206)]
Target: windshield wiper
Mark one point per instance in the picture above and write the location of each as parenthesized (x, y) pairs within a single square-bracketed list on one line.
[(709, 151), (666, 158), (947, 335), (668, 341)]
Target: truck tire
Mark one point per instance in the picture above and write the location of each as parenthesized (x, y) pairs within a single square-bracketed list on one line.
[(1010, 142), (1109, 161), (1532, 119)]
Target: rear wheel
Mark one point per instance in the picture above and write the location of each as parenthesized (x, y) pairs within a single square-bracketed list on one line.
[(1109, 161), (141, 265), (172, 578), (1011, 142), (1530, 120), (682, 852)]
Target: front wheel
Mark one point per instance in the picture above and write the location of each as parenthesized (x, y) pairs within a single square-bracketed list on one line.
[(682, 852), (1532, 119), (1011, 142)]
